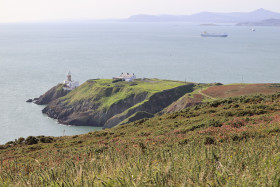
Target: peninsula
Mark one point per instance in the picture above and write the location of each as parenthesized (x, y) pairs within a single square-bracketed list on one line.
[(107, 103)]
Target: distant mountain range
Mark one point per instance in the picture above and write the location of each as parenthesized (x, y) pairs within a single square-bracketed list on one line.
[(267, 22), (209, 17)]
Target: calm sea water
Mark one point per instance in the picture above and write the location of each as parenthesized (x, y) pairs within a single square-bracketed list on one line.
[(35, 57)]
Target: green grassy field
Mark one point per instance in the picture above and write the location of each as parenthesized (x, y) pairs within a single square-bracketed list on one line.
[(108, 93), (227, 142)]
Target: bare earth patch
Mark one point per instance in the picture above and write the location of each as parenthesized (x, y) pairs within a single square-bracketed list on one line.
[(241, 89)]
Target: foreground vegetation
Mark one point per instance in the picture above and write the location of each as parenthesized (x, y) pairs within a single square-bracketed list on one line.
[(227, 142)]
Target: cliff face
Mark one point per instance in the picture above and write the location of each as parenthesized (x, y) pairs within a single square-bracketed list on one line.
[(184, 102), (88, 113), (106, 104), (152, 105), (51, 95)]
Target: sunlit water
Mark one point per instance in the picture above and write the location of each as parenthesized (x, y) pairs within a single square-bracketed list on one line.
[(35, 57)]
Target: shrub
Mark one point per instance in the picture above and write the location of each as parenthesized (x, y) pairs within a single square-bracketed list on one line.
[(142, 146), (209, 140), (183, 142), (30, 140), (101, 150), (228, 114), (214, 123), (101, 133), (274, 130), (20, 140), (10, 143), (144, 133), (46, 139), (215, 104), (237, 123), (117, 80), (4, 146), (241, 136)]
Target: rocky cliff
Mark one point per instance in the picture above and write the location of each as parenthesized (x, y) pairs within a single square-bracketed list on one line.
[(106, 104), (51, 95), (151, 105)]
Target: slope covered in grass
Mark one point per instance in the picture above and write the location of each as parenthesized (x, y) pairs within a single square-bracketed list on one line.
[(228, 142), (203, 93)]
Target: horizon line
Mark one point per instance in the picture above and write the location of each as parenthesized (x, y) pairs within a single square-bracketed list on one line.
[(117, 19)]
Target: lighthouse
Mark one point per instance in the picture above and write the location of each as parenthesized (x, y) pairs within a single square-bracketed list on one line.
[(69, 76), (69, 84)]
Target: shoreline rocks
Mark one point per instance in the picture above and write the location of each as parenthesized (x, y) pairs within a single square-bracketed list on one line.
[(29, 100)]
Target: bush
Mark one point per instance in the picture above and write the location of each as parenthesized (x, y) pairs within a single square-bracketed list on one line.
[(241, 136), (10, 143), (100, 150), (214, 123), (46, 139), (218, 84), (117, 80), (215, 104), (4, 146), (30, 140), (209, 140), (20, 140), (183, 142), (274, 130)]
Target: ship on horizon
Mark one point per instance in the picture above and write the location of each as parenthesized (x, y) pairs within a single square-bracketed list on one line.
[(206, 34)]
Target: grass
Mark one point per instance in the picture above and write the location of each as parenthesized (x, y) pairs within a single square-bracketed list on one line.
[(106, 93), (227, 142), (59, 87)]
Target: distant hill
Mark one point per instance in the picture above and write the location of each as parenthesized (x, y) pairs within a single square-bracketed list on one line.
[(267, 22), (209, 17)]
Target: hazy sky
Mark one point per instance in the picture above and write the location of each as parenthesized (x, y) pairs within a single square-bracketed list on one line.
[(43, 10)]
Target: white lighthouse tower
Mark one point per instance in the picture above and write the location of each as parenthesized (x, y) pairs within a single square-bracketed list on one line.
[(69, 84), (69, 76)]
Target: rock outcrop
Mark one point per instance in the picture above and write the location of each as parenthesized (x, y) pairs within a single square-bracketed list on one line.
[(29, 100), (51, 95)]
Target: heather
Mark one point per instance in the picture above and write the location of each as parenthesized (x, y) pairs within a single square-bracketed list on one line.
[(227, 142)]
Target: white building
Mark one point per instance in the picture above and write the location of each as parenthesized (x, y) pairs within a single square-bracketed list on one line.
[(126, 77), (69, 84)]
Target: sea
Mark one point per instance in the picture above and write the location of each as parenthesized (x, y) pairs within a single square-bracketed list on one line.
[(37, 56)]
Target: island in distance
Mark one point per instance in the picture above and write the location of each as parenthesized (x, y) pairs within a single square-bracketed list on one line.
[(267, 22), (209, 17)]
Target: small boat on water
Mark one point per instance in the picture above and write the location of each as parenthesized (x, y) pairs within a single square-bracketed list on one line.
[(206, 34)]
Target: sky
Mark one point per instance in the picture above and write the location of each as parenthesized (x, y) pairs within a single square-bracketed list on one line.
[(48, 10)]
